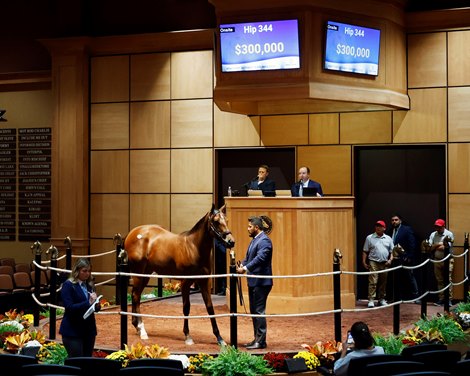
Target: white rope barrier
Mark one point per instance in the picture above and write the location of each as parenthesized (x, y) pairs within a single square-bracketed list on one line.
[(226, 275)]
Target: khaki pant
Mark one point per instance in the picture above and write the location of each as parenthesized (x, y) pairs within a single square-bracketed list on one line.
[(377, 282), (439, 273)]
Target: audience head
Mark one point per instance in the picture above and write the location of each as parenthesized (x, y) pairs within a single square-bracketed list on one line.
[(361, 335)]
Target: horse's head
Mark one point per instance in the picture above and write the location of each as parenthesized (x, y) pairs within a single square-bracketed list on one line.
[(218, 225)]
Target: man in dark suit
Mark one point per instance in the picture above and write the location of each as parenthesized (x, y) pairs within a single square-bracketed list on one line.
[(258, 261), (405, 250), (262, 182), (304, 181)]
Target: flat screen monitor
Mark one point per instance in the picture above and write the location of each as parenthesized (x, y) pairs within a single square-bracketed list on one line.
[(259, 46), (352, 48)]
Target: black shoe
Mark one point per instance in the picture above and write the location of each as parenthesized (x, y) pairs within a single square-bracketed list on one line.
[(250, 343), (221, 293), (439, 303), (256, 345)]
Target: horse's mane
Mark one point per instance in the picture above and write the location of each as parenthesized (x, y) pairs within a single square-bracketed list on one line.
[(197, 226)]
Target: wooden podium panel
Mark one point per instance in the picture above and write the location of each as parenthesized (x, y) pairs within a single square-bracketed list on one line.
[(306, 231)]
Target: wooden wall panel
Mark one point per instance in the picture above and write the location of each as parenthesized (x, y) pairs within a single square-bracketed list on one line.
[(191, 74), (191, 171), (150, 76), (186, 210), (459, 57), (459, 168), (427, 119), (459, 113), (109, 215), (191, 123), (365, 127), (235, 130), (323, 129), (458, 216), (284, 130), (150, 208), (109, 171), (110, 79), (329, 165), (427, 60), (149, 171), (109, 126), (150, 125)]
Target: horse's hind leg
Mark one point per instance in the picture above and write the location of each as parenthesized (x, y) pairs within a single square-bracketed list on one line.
[(137, 287), (205, 287), (185, 288)]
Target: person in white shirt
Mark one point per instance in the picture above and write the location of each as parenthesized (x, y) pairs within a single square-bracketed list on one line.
[(376, 256), (439, 241), (363, 345)]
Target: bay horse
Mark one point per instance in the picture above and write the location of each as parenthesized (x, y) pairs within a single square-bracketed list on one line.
[(151, 248)]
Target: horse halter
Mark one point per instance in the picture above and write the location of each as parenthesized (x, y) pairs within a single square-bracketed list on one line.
[(217, 233)]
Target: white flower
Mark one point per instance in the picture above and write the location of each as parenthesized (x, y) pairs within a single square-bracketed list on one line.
[(182, 358), (16, 324), (32, 343)]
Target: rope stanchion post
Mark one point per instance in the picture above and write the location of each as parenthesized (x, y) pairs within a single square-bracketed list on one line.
[(424, 279), (337, 256), (36, 248), (68, 253), (233, 301), (118, 243), (396, 296), (466, 264), (123, 282), (446, 275), (53, 291)]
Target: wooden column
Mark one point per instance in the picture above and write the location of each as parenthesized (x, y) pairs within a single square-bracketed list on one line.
[(70, 145)]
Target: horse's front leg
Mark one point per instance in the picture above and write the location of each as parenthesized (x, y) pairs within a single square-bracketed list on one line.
[(205, 286), (138, 286), (185, 288)]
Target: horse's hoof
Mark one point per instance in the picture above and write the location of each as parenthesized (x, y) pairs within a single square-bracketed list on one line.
[(144, 336), (221, 342), (189, 341)]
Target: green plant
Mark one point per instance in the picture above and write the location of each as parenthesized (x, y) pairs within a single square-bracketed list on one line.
[(450, 330), (391, 344), (196, 362), (52, 353), (233, 362), (462, 306)]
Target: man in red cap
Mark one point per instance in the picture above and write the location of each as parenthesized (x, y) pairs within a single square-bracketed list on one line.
[(377, 255), (440, 240)]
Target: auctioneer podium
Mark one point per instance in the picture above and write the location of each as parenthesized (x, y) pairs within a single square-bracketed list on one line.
[(306, 231)]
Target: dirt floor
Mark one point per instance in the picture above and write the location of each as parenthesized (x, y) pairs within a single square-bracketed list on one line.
[(284, 334)]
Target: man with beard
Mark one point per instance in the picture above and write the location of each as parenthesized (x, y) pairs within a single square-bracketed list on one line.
[(258, 261), (404, 240)]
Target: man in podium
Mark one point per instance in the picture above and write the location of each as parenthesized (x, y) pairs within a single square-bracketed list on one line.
[(305, 182)]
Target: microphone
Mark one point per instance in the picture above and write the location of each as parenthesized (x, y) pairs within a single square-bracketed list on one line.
[(300, 182), (255, 178)]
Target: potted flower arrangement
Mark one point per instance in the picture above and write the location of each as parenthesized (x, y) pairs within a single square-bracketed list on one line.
[(139, 350), (233, 362), (462, 313), (196, 362)]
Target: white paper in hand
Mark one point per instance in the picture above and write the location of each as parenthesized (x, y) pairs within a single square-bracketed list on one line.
[(92, 308)]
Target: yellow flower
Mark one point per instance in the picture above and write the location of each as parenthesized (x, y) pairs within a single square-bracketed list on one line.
[(311, 361), (28, 317)]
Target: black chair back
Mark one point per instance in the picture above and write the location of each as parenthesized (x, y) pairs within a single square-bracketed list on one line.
[(425, 373), (150, 371), (393, 368), (49, 369), (11, 364), (408, 352), (438, 360), (160, 362), (357, 365), (461, 368), (98, 366)]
